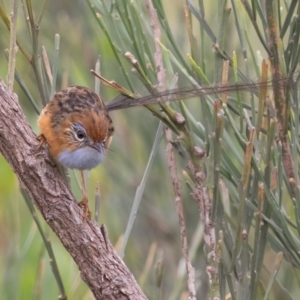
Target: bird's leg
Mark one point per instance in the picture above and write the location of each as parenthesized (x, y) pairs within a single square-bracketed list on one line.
[(84, 202)]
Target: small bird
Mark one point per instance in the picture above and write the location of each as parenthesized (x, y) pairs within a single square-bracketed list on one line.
[(78, 130)]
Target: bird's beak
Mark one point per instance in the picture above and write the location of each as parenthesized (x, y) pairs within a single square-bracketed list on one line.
[(98, 146)]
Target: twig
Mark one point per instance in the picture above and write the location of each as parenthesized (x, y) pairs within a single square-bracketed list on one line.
[(5, 19), (170, 154), (12, 44), (204, 201), (55, 64), (35, 60), (97, 202), (280, 95), (179, 209)]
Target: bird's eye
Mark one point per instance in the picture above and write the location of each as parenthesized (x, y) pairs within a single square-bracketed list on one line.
[(79, 132), (80, 135)]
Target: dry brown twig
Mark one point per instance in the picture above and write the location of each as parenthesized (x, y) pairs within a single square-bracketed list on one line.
[(99, 264), (170, 154)]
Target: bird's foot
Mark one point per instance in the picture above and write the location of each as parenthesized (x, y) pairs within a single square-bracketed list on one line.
[(85, 206)]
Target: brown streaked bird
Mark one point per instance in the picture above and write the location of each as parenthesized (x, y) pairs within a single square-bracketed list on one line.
[(76, 126)]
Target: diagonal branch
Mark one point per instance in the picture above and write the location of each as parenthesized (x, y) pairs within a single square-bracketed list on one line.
[(100, 266)]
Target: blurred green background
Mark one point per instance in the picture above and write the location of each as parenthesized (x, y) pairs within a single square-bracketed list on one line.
[(25, 269)]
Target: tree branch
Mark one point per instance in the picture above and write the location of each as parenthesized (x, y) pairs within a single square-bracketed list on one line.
[(100, 266)]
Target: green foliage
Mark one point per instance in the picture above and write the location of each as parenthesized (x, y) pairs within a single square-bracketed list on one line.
[(248, 141)]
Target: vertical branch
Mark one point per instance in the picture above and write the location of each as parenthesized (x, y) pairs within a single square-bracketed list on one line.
[(202, 196), (35, 61), (170, 154), (12, 44), (6, 21), (280, 94), (160, 70), (179, 209)]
